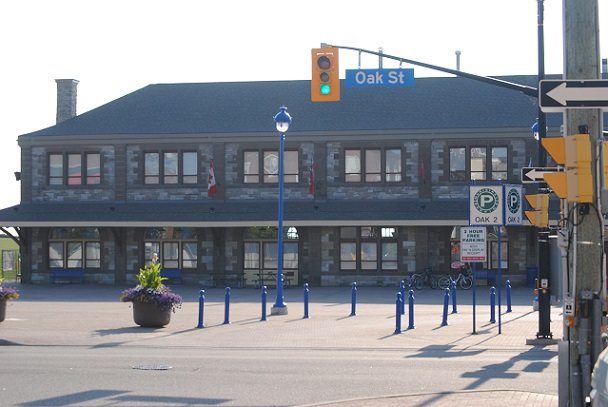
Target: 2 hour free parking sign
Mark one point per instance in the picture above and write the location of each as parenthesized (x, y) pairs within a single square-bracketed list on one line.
[(486, 206)]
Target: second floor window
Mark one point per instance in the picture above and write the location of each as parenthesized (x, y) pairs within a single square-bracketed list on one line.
[(177, 167), (484, 163), (373, 165), (75, 169), (268, 161)]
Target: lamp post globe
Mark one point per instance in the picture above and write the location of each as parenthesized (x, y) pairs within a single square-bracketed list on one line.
[(282, 121)]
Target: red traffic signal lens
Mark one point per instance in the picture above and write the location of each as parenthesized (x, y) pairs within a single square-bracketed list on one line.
[(323, 62)]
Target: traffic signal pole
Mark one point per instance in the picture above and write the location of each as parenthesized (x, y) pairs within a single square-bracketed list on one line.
[(585, 222), (544, 267)]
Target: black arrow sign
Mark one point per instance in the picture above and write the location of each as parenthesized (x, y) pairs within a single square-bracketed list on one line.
[(531, 175), (555, 96)]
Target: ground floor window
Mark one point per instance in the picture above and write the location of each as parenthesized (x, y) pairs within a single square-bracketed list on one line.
[(260, 249), (74, 248), (176, 247), (368, 248)]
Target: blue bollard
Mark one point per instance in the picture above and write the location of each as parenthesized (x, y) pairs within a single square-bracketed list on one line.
[(446, 302), (398, 308), (402, 291), (509, 296), (453, 294), (353, 306), (305, 300), (492, 305), (227, 306), (201, 308), (264, 297), (411, 310)]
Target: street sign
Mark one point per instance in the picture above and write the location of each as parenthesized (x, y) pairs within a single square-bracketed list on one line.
[(473, 244), (531, 175), (513, 200), (379, 77), (486, 205), (555, 96)]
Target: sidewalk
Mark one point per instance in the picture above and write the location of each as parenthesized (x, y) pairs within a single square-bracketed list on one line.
[(81, 315)]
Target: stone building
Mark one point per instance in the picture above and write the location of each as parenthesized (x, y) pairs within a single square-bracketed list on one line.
[(376, 185)]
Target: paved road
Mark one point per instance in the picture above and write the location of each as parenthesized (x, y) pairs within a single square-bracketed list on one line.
[(77, 345)]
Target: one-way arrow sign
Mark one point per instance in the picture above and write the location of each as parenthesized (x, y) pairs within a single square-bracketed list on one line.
[(530, 175), (555, 96)]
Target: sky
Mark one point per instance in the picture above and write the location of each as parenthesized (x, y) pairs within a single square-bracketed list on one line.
[(114, 47)]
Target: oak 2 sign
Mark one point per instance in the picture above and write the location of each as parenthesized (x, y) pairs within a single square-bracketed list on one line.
[(486, 205)]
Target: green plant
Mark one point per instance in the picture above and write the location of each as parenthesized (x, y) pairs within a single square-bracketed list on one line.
[(151, 288), (149, 276)]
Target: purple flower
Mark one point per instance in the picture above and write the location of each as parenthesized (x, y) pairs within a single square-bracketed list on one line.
[(163, 297), (8, 293)]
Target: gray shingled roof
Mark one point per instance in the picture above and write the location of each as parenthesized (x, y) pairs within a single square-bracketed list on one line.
[(248, 107)]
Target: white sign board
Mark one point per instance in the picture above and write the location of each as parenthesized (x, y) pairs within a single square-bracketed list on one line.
[(486, 205), (473, 244), (513, 199)]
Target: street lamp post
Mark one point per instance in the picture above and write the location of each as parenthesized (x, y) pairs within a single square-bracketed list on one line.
[(282, 121)]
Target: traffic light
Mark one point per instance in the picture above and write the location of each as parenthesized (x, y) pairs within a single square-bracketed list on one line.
[(575, 184), (539, 216), (325, 82)]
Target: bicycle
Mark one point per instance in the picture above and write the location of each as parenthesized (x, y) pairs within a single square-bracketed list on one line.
[(419, 280), (426, 278), (464, 279)]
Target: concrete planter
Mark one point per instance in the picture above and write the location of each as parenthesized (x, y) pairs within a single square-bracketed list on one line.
[(150, 315)]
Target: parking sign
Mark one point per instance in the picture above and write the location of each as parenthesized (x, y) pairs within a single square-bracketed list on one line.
[(486, 205)]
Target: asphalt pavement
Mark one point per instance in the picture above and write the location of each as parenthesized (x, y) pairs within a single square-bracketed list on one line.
[(86, 315)]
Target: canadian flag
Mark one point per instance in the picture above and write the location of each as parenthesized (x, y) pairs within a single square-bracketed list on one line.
[(211, 184), (311, 179)]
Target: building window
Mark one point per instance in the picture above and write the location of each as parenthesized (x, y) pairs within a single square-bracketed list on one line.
[(481, 166), (458, 164), (176, 247), (393, 165), (377, 166), (352, 165), (74, 248), (75, 167), (373, 165), (56, 169), (251, 167), (270, 164), (368, 248), (499, 163), (260, 248), (170, 168), (478, 164), (93, 168), (189, 167), (177, 167)]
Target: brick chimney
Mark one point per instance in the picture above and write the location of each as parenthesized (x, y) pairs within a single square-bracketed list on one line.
[(66, 99)]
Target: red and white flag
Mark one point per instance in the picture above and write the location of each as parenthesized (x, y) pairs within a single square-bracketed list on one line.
[(211, 184), (311, 179)]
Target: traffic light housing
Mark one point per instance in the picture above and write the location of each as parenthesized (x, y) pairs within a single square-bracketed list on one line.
[(539, 216), (325, 82), (575, 184)]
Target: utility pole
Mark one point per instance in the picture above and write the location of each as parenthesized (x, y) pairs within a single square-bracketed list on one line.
[(585, 221)]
